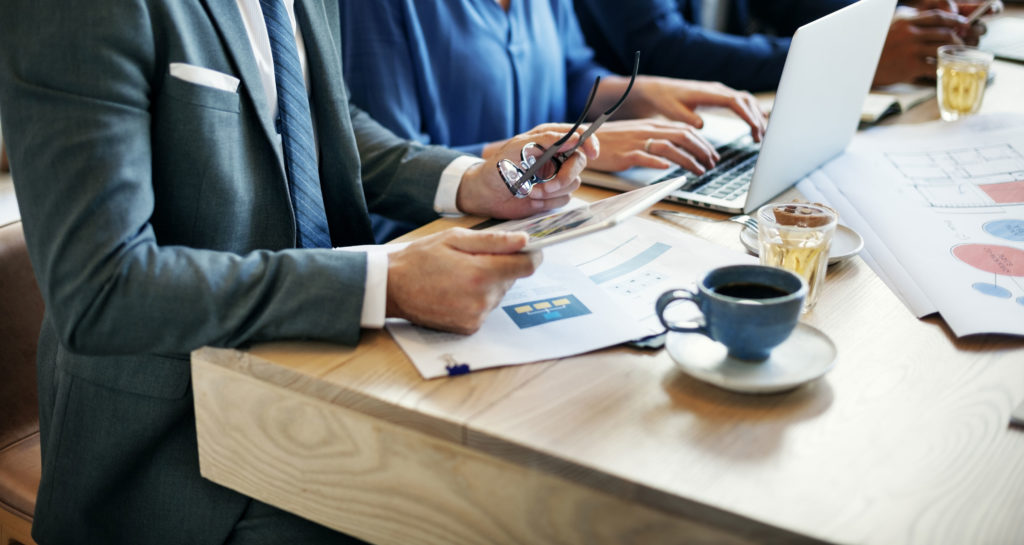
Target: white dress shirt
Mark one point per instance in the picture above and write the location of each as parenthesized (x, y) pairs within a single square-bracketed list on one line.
[(375, 294)]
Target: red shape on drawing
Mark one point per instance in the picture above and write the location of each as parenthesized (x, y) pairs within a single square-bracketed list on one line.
[(1005, 193), (1004, 260)]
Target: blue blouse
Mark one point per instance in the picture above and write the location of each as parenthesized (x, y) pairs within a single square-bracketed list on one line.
[(462, 73)]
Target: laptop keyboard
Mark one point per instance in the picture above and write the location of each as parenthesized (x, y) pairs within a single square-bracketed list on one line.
[(730, 178)]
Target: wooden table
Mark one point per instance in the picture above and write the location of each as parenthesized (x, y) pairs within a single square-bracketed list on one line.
[(905, 441)]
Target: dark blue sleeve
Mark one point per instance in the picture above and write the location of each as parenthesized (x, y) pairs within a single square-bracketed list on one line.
[(670, 45), (785, 16)]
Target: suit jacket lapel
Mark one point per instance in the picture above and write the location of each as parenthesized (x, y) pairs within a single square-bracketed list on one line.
[(228, 20), (324, 62), (339, 155)]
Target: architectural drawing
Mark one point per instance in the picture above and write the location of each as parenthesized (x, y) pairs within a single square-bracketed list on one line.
[(973, 177)]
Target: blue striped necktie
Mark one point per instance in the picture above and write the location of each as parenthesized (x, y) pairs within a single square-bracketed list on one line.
[(295, 124)]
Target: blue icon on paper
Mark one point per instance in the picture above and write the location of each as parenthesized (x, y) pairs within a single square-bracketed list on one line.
[(545, 311)]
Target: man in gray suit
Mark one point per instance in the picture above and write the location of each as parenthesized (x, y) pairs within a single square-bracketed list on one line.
[(158, 204)]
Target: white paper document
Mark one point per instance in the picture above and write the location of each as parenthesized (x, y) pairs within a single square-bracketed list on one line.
[(941, 209), (557, 312), (637, 262), (590, 293)]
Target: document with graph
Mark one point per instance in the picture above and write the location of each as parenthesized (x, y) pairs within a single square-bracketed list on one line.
[(555, 313), (590, 293), (941, 209)]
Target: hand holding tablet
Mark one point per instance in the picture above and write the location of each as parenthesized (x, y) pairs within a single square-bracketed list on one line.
[(568, 224)]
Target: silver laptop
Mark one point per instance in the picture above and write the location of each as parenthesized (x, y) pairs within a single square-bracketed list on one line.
[(827, 74)]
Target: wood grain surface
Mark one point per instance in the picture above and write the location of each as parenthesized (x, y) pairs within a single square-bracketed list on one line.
[(390, 484), (906, 440)]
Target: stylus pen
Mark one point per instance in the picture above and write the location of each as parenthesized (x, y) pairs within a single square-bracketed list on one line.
[(980, 11)]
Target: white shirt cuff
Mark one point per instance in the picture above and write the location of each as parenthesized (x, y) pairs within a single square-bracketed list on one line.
[(451, 177), (375, 297), (376, 292)]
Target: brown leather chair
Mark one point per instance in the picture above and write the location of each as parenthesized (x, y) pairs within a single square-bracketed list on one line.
[(21, 314)]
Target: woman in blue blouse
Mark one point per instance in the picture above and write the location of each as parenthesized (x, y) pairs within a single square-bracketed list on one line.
[(470, 74)]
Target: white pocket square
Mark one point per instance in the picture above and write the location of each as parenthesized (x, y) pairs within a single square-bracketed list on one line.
[(204, 76)]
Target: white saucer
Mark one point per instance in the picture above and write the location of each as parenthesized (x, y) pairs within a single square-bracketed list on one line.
[(806, 355), (846, 243)]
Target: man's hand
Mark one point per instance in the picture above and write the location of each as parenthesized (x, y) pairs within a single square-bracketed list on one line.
[(677, 99), (970, 35), (483, 192), (653, 143), (910, 47), (452, 280), (973, 33), (918, 31)]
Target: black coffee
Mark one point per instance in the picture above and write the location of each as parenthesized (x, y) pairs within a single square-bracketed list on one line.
[(749, 290)]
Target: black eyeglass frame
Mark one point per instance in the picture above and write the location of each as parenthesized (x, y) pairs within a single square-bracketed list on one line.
[(522, 185)]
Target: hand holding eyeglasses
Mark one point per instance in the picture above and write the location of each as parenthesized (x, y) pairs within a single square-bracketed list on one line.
[(539, 164), (485, 193)]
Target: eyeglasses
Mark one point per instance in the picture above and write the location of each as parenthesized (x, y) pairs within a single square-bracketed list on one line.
[(539, 164)]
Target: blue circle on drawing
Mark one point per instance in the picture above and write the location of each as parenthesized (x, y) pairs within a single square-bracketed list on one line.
[(993, 290), (1006, 229), (1020, 301)]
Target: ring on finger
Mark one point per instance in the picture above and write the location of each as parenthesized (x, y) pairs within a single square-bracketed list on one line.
[(647, 145)]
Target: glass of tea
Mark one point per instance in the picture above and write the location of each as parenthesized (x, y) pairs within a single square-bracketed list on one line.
[(797, 237), (962, 73)]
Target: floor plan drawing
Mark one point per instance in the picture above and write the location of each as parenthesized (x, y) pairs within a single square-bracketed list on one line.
[(981, 176)]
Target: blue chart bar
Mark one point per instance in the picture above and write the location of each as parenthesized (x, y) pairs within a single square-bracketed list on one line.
[(637, 262), (545, 311)]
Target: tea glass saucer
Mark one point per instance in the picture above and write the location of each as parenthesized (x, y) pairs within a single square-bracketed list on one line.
[(846, 243), (805, 356)]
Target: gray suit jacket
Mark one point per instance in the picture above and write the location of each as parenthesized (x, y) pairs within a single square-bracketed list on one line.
[(158, 220)]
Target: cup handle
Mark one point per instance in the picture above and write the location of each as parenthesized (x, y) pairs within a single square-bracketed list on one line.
[(670, 297)]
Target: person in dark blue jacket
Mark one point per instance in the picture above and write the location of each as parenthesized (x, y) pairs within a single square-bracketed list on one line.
[(744, 43)]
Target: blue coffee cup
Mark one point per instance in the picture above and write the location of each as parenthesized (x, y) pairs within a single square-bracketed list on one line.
[(750, 309)]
